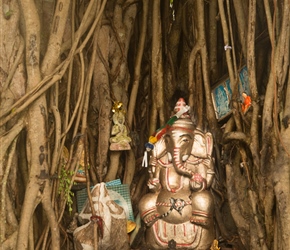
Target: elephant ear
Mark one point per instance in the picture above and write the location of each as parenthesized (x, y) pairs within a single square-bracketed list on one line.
[(202, 145), (159, 148), (209, 143)]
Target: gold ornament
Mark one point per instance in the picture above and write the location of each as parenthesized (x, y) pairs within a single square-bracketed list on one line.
[(131, 225), (215, 245), (117, 106)]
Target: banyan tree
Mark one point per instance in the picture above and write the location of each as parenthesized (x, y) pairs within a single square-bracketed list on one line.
[(69, 68)]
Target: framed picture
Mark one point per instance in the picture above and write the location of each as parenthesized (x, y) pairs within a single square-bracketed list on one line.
[(244, 85), (222, 93)]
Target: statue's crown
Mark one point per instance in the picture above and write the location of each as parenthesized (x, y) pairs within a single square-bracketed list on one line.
[(181, 110)]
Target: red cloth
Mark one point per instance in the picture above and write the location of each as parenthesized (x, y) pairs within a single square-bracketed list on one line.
[(246, 104)]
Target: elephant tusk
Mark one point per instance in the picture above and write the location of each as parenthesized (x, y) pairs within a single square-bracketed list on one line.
[(169, 157), (185, 157)]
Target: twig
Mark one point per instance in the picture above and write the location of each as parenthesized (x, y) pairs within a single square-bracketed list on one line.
[(157, 67), (106, 65), (116, 33), (15, 64), (259, 225), (77, 108), (32, 95), (53, 49), (90, 33), (227, 42), (232, 38), (210, 113), (269, 22), (10, 243), (3, 190), (236, 135), (50, 213), (7, 138)]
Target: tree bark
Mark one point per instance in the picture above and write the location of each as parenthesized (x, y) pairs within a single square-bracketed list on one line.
[(242, 25), (205, 73), (37, 128), (157, 66), (138, 62), (212, 47)]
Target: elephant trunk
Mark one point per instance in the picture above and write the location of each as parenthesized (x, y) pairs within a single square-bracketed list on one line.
[(178, 163), (178, 160)]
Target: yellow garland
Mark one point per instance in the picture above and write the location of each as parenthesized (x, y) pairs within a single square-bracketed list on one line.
[(152, 139)]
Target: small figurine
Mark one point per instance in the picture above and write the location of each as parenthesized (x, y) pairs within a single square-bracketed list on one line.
[(81, 173), (246, 103), (215, 245), (120, 140)]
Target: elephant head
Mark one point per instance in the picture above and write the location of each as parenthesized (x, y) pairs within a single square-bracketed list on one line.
[(179, 141), (182, 140)]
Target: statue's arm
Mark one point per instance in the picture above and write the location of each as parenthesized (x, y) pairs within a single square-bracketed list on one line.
[(210, 171), (154, 180)]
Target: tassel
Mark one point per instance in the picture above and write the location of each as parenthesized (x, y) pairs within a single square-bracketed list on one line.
[(145, 160), (149, 146)]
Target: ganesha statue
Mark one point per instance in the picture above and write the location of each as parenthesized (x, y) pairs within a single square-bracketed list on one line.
[(179, 207)]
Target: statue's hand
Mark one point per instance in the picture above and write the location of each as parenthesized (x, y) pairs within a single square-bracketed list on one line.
[(197, 182), (208, 162), (151, 219), (115, 130), (154, 184)]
